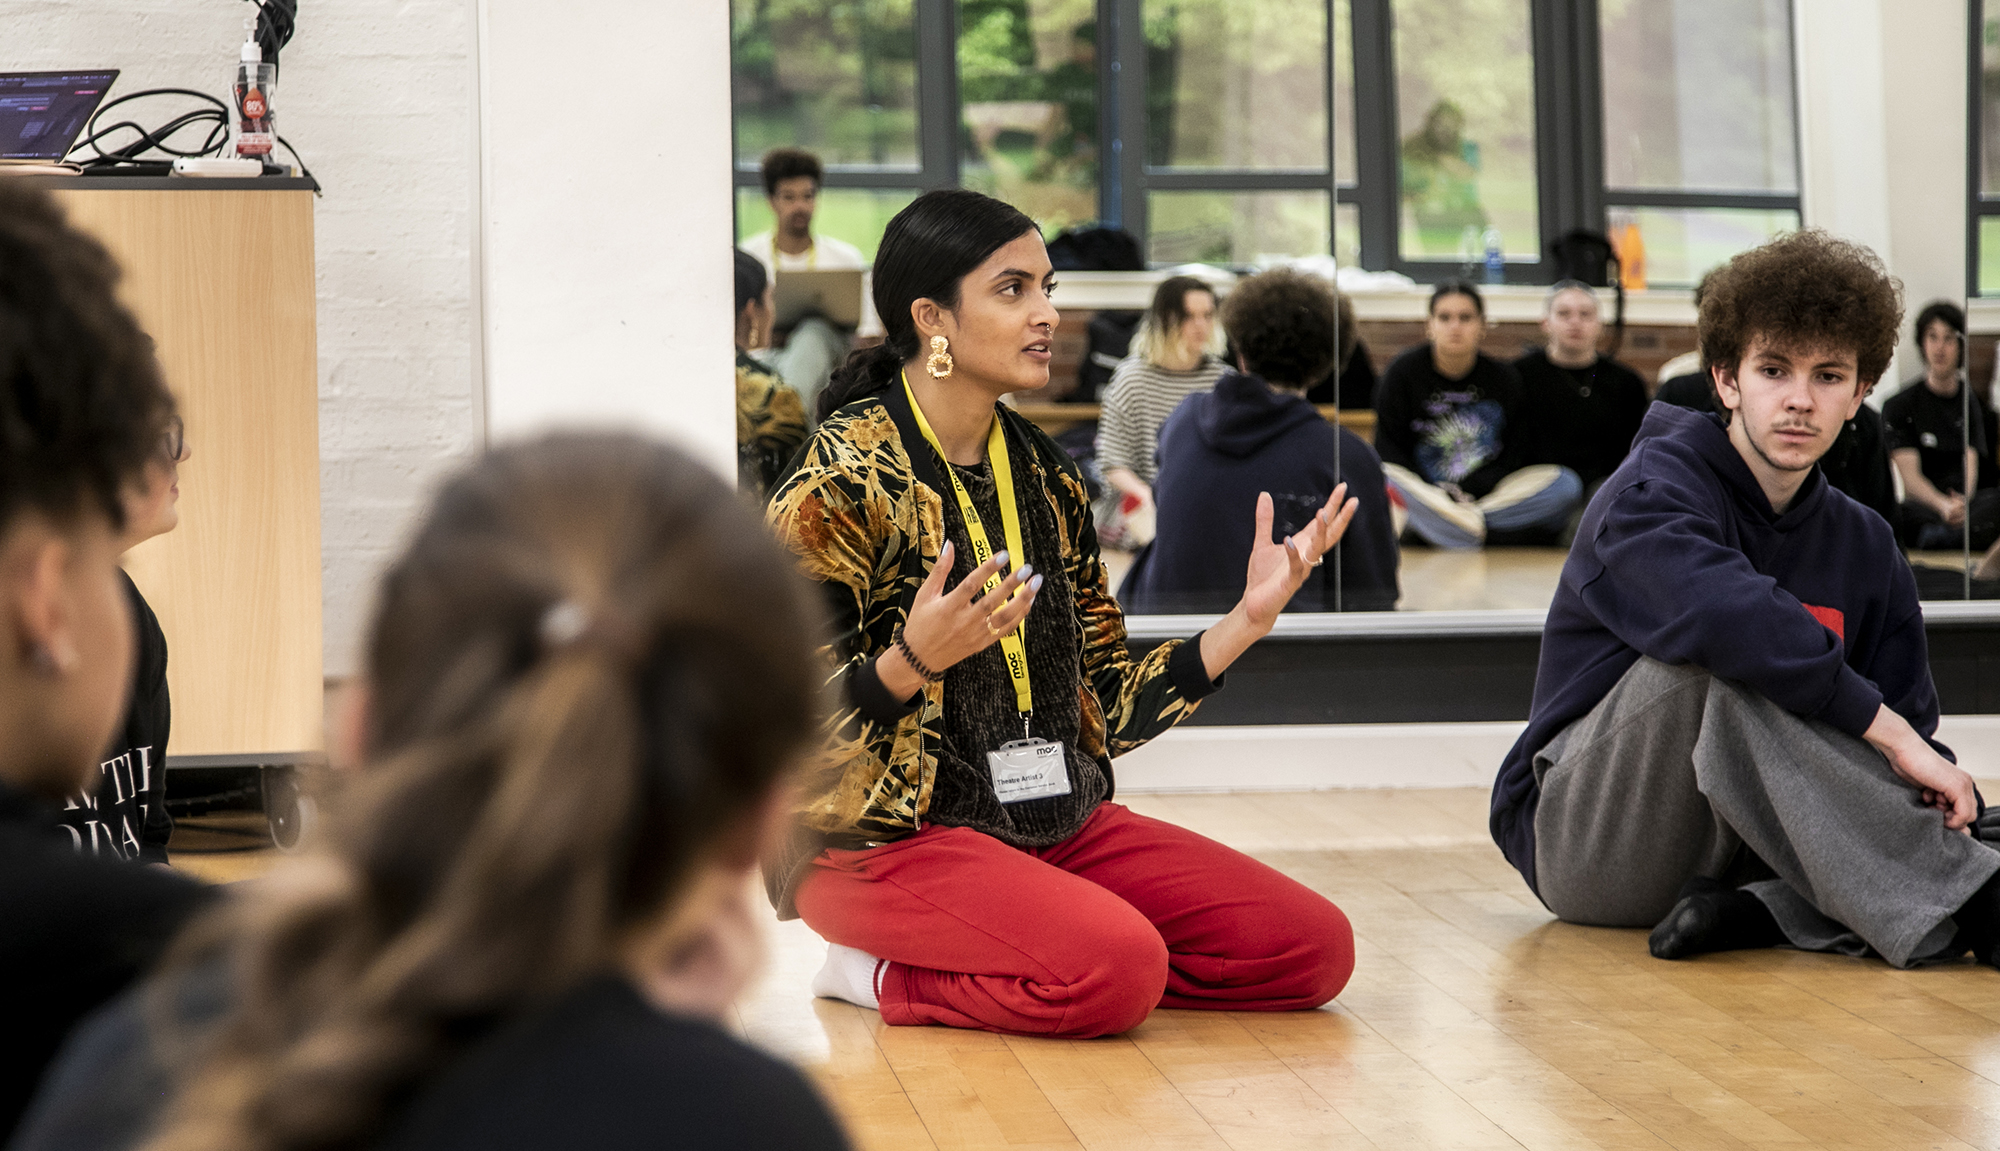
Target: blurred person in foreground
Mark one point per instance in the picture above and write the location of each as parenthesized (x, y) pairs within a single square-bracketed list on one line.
[(1254, 433), (1733, 732), (83, 411), (531, 911)]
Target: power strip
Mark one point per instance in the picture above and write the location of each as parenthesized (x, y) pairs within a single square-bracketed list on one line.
[(205, 166)]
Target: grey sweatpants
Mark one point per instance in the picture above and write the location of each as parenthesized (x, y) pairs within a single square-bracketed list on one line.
[(1676, 771)]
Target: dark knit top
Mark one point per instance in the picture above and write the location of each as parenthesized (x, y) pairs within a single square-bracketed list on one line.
[(980, 709)]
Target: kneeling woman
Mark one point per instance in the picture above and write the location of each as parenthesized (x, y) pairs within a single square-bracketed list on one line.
[(955, 842)]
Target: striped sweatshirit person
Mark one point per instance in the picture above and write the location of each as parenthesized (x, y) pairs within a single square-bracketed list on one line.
[(1137, 402)]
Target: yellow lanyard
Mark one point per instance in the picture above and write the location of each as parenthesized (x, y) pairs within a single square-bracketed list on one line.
[(982, 550)]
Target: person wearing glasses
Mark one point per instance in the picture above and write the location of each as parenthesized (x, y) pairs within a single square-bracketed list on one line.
[(125, 815)]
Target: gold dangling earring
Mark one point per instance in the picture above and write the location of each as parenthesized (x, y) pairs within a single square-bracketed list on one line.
[(939, 365)]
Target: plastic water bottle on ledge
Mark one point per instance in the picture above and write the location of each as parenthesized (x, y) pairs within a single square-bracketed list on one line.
[(253, 123), (1496, 258)]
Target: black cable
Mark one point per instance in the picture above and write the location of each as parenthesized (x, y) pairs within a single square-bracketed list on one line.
[(276, 21), (156, 139)]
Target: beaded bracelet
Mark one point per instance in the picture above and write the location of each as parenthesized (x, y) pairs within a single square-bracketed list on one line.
[(916, 665)]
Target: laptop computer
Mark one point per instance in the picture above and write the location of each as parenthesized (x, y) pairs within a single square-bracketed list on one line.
[(835, 294), (42, 113)]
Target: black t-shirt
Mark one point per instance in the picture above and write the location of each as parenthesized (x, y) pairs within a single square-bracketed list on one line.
[(126, 816), (74, 930), (1357, 383), (600, 1068), (1934, 425), (1581, 418), (1464, 431), (605, 1070)]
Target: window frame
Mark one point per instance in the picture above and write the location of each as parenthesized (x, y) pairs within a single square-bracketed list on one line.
[(1979, 206), (1567, 60)]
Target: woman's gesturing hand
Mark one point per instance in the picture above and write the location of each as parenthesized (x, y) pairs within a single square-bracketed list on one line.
[(1278, 570), (947, 626)]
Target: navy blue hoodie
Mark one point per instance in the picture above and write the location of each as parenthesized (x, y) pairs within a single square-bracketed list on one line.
[(1221, 448), (1679, 557)]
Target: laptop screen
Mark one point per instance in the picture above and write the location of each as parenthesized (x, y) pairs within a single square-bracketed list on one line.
[(41, 113)]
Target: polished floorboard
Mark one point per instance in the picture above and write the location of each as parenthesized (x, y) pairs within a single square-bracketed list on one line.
[(1474, 1020)]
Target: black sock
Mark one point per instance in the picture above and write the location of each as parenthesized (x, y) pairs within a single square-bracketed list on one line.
[(1979, 923), (1711, 916)]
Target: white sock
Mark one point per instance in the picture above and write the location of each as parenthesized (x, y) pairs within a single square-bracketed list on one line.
[(852, 975)]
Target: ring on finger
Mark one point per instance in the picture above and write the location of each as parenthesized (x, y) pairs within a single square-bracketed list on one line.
[(990, 629)]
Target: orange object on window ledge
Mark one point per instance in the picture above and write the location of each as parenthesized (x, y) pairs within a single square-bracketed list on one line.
[(1631, 258)]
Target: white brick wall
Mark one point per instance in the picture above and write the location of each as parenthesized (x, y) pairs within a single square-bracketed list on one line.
[(378, 97)]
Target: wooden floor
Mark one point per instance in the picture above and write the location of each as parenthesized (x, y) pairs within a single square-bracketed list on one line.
[(1474, 1020)]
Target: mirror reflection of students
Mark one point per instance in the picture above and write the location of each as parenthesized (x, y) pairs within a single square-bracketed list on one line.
[(125, 816), (1451, 425), (815, 345), (955, 842), (1935, 450)]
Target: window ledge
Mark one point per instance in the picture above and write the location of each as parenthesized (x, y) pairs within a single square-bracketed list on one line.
[(1516, 303)]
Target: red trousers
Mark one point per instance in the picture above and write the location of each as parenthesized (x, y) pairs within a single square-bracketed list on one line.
[(1080, 939)]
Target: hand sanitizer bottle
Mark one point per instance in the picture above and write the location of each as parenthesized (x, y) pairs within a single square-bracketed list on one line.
[(254, 124)]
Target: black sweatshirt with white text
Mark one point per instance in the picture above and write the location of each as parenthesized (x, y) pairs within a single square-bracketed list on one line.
[(125, 816)]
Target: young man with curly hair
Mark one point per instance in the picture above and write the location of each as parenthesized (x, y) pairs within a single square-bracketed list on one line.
[(1256, 432), (1732, 733)]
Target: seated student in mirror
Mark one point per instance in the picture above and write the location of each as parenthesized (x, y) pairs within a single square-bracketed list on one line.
[(1176, 353), (1936, 452), (85, 410), (1353, 387), (1732, 738), (530, 910), (1451, 426), (770, 416), (956, 842), (1583, 406), (814, 345), (125, 815), (1254, 433)]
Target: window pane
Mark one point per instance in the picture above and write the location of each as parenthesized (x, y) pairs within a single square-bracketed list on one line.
[(1698, 95), (1989, 255), (1236, 84), (1235, 227), (857, 215), (839, 79), (1027, 74), (1680, 244), (1347, 235), (1465, 111), (1989, 106)]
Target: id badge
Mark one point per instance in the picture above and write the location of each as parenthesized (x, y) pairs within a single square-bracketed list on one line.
[(1028, 769)]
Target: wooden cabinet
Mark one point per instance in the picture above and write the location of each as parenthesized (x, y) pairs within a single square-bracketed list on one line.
[(221, 274)]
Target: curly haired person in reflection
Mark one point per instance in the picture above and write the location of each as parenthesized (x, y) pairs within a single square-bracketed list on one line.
[(956, 842), (82, 411), (533, 904)]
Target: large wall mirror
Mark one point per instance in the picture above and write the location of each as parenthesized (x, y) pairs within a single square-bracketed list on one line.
[(1389, 144)]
